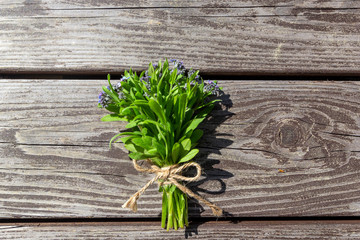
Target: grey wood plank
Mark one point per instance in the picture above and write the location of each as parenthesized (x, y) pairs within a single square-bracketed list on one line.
[(231, 37), (209, 230), (283, 148)]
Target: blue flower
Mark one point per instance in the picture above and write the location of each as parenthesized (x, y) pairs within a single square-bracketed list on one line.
[(124, 78), (117, 87), (121, 95), (197, 77), (145, 79), (104, 99), (100, 96), (179, 65), (210, 86)]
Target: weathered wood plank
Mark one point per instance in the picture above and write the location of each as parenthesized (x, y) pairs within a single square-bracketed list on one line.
[(209, 230), (55, 160), (231, 37)]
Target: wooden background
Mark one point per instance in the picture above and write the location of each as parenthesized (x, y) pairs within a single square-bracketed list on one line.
[(275, 150), (234, 37)]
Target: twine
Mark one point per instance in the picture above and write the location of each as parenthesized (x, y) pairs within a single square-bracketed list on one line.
[(170, 175)]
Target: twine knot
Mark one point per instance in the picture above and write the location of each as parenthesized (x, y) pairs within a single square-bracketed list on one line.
[(170, 175)]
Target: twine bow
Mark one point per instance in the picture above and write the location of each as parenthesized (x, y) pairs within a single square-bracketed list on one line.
[(170, 175)]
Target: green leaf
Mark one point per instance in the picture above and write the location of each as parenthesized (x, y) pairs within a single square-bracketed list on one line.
[(141, 102), (169, 106), (153, 151), (139, 96), (138, 156), (147, 140), (130, 147), (196, 135), (175, 152), (133, 147), (127, 110), (165, 65), (192, 77), (130, 133), (108, 78), (189, 156), (132, 94), (112, 108), (186, 144), (160, 148), (141, 143), (135, 134), (193, 124), (113, 138), (158, 125), (173, 76), (159, 86), (112, 118), (145, 89), (156, 108), (205, 111), (145, 108), (141, 117), (150, 69), (182, 106), (157, 161), (111, 94), (187, 135), (132, 124), (209, 104), (179, 77), (144, 131), (125, 140), (188, 115)]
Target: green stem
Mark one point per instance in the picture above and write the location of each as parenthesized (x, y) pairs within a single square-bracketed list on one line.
[(174, 208), (164, 209), (170, 223), (180, 208), (186, 211)]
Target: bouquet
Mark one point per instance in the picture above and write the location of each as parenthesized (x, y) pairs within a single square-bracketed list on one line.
[(163, 107)]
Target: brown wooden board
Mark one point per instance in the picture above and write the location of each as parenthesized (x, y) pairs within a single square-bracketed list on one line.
[(274, 148), (209, 230), (232, 37)]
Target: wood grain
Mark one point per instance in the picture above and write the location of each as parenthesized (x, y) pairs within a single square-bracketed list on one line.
[(232, 37), (209, 230), (274, 148)]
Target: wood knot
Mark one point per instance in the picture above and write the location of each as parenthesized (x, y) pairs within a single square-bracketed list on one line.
[(289, 133)]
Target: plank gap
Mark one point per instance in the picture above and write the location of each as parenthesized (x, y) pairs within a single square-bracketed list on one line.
[(241, 77), (191, 219), (208, 230)]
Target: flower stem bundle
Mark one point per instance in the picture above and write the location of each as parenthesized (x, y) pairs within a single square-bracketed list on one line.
[(163, 107)]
